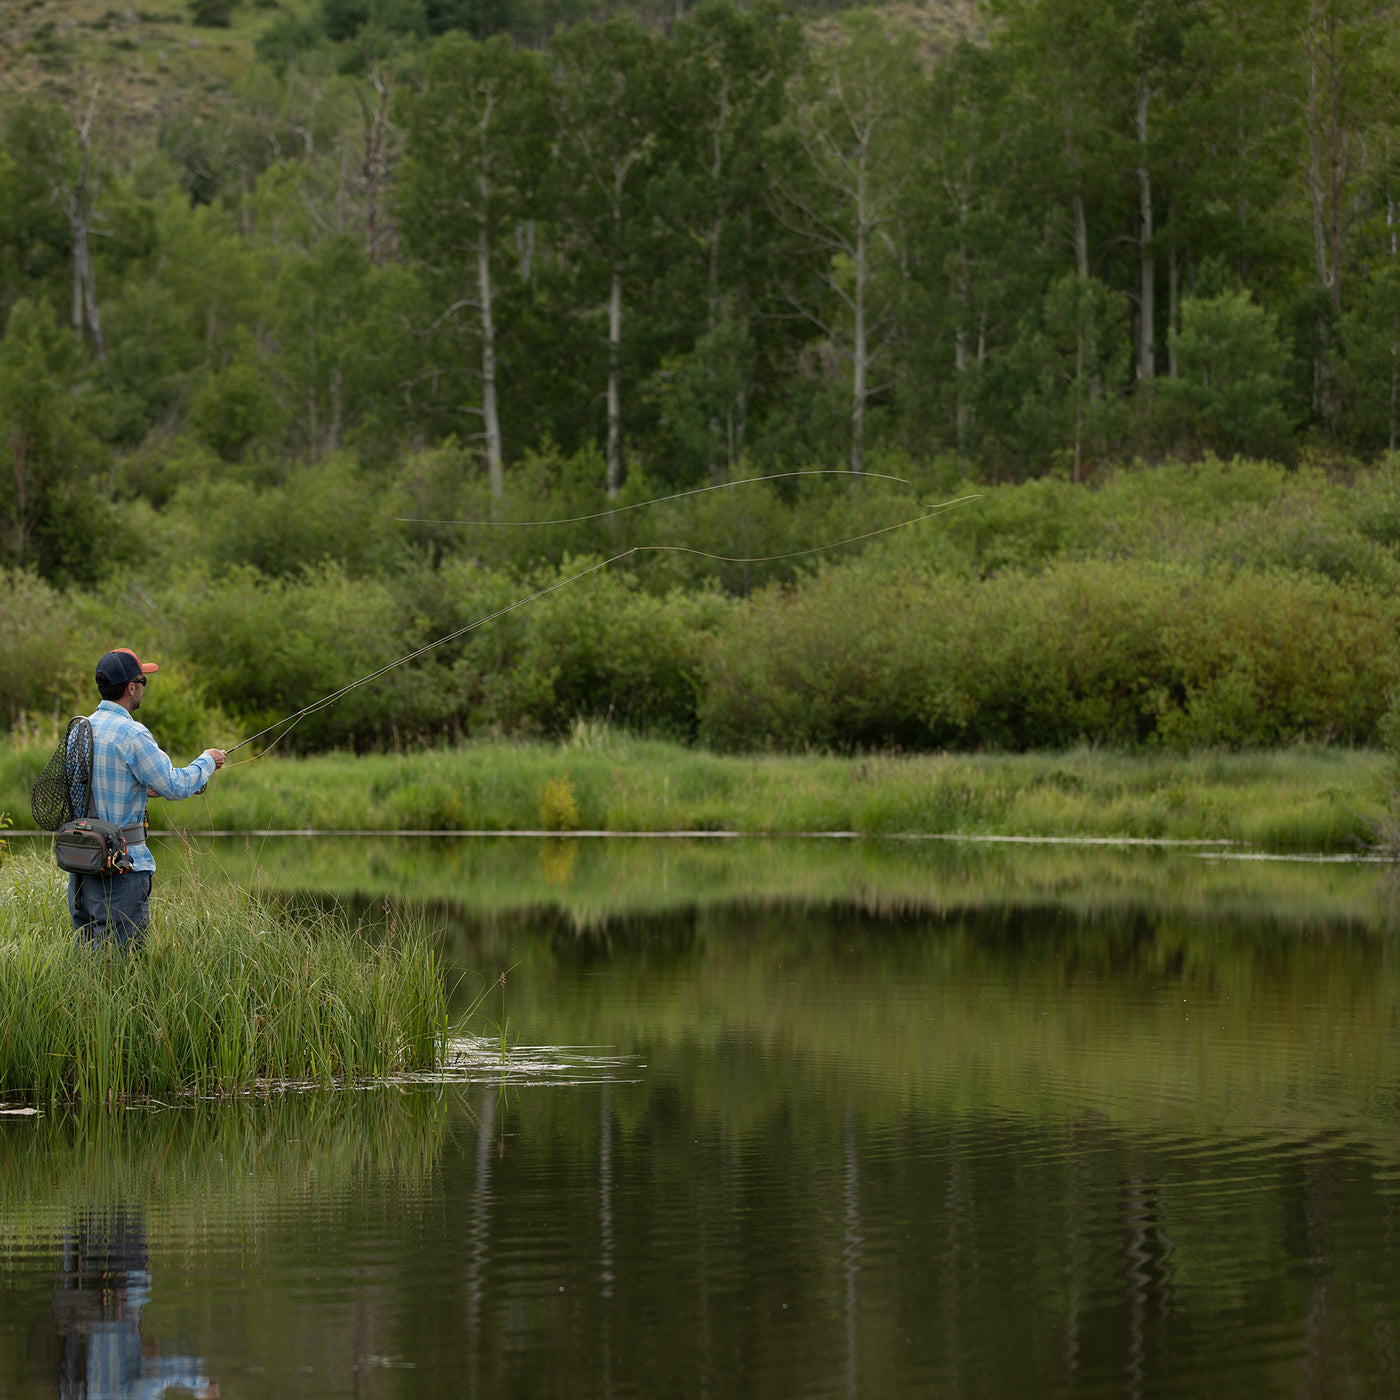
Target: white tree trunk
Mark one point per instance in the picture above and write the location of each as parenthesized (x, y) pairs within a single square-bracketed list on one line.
[(1081, 224), (615, 382), (717, 130), (860, 338), (1173, 307), (1147, 265), (717, 474), (374, 169), (525, 248), (1079, 402), (84, 306), (961, 412), (860, 352), (1317, 195), (1394, 347), (490, 420)]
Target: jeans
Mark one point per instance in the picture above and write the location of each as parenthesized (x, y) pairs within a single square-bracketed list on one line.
[(112, 909)]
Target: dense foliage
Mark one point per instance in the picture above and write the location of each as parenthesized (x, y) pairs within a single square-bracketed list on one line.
[(1081, 232), (1235, 605), (266, 344)]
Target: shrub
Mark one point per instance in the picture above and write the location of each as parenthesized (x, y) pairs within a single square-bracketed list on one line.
[(323, 512), (604, 649), (177, 712), (1231, 360), (40, 650), (212, 14), (558, 807), (265, 648), (1109, 652)]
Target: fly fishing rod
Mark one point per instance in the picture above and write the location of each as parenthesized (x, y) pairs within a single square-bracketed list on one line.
[(295, 718)]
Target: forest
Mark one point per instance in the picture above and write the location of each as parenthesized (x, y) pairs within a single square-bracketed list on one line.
[(288, 291)]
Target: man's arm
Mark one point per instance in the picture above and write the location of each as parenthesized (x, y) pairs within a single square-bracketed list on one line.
[(152, 766)]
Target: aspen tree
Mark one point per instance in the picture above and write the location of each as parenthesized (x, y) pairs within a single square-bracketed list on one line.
[(468, 133), (603, 96), (724, 94), (849, 120)]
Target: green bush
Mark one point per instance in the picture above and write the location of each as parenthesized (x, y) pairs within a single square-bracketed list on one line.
[(1108, 652), (181, 717), (1223, 603), (40, 651), (1232, 363), (264, 648), (328, 511), (604, 649)]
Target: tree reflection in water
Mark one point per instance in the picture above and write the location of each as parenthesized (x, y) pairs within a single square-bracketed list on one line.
[(102, 1288)]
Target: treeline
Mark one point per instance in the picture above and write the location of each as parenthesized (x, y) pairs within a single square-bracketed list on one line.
[(1231, 606), (732, 241)]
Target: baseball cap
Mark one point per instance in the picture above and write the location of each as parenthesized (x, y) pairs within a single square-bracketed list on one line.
[(121, 666)]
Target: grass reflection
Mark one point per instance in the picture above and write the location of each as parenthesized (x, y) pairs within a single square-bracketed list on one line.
[(593, 882), (207, 1166)]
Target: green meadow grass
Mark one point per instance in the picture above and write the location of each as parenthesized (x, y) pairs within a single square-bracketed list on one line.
[(228, 992), (1320, 799), (1287, 799)]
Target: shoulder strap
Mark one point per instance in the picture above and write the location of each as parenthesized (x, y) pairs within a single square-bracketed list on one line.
[(78, 743)]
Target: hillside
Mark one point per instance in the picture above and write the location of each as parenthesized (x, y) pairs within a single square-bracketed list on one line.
[(144, 59)]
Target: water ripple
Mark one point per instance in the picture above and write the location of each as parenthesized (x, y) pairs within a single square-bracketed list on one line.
[(481, 1060)]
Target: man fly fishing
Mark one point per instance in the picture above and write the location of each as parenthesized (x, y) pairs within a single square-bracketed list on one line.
[(127, 766)]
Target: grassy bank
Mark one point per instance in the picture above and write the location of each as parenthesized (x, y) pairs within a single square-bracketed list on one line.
[(1297, 798), (227, 992), (1293, 799)]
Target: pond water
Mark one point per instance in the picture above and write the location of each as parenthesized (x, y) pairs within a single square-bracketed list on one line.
[(773, 1119)]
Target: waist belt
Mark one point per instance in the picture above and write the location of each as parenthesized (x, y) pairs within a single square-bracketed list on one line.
[(134, 835)]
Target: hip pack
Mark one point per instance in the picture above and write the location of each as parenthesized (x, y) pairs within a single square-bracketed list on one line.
[(59, 801), (92, 847)]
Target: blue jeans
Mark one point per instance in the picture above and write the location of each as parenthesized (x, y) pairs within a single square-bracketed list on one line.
[(113, 909)]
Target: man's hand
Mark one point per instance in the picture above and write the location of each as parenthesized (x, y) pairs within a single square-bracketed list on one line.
[(218, 755)]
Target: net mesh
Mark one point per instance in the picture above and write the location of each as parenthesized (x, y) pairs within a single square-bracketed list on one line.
[(61, 792)]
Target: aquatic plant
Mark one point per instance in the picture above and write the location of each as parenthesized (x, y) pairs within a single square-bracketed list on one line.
[(230, 991)]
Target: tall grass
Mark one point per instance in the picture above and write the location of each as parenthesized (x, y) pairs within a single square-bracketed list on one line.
[(227, 992), (1297, 798)]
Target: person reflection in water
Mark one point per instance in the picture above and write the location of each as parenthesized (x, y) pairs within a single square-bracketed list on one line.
[(97, 1318)]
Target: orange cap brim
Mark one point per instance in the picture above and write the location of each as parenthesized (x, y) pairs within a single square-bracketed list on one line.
[(146, 666)]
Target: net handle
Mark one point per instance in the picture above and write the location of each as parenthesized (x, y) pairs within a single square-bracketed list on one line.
[(82, 760)]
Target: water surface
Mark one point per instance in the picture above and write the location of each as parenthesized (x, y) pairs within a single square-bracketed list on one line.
[(859, 1122)]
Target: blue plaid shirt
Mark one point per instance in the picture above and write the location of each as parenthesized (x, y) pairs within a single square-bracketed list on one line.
[(126, 760)]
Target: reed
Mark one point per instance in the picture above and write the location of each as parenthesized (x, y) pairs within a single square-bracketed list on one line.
[(229, 992)]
